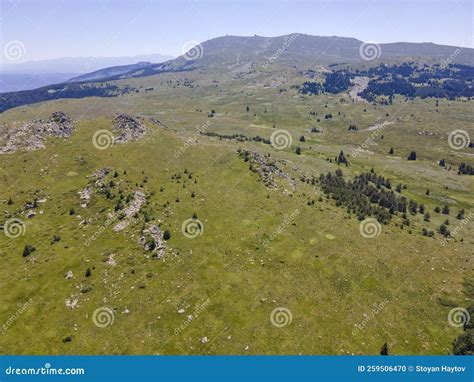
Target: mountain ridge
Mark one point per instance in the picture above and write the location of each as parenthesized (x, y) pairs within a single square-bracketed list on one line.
[(240, 53), (303, 49)]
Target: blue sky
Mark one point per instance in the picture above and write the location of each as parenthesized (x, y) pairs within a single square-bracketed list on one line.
[(60, 28)]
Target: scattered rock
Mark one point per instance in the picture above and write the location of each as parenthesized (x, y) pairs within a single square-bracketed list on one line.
[(204, 340), (69, 275), (72, 302), (111, 261)]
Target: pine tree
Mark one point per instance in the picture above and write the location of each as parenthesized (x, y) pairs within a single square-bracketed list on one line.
[(28, 250), (443, 230), (341, 158)]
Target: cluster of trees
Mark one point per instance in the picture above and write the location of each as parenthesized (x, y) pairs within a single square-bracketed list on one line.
[(377, 87), (47, 93), (464, 343), (465, 169), (311, 87), (407, 79), (367, 194), (337, 82), (238, 137), (411, 80), (334, 83)]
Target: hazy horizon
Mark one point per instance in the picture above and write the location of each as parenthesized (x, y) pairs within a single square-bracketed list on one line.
[(113, 28)]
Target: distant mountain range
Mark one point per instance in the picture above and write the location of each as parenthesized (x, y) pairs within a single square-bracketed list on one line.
[(237, 54), (303, 51), (34, 74)]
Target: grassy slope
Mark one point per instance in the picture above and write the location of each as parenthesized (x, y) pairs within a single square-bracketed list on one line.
[(328, 282)]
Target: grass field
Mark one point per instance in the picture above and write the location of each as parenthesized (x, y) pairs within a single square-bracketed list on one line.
[(259, 248)]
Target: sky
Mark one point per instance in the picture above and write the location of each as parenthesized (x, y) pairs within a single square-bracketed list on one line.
[(45, 29)]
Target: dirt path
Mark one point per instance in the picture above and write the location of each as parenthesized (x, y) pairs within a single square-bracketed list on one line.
[(360, 83)]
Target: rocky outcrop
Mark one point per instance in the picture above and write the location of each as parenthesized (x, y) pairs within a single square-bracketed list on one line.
[(151, 239), (100, 173), (128, 128), (33, 134), (130, 211), (85, 196), (266, 168)]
